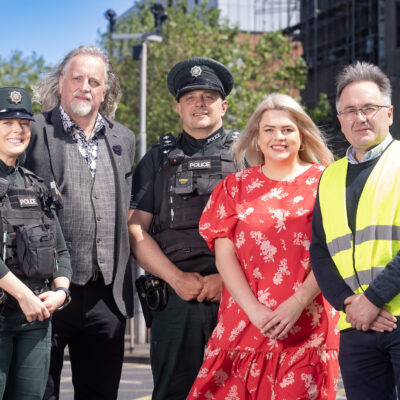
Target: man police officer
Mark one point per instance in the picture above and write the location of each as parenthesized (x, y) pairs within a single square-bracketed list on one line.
[(171, 186)]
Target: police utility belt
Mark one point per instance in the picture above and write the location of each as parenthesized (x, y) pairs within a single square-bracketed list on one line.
[(28, 232)]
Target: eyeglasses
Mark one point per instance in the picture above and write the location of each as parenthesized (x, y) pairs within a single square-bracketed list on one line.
[(367, 111)]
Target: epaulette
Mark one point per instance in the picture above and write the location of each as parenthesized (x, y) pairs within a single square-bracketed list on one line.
[(31, 174), (167, 142), (232, 136)]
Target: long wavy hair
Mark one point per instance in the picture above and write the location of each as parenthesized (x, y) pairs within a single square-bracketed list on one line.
[(46, 92), (315, 148)]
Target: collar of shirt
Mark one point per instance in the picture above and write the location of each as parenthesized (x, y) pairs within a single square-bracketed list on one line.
[(371, 154), (202, 142), (69, 125), (6, 170)]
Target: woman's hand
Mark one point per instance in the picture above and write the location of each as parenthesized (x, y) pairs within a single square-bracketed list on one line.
[(53, 300), (283, 318), (259, 316), (33, 308)]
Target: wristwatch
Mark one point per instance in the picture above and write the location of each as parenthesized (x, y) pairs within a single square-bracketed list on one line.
[(67, 298)]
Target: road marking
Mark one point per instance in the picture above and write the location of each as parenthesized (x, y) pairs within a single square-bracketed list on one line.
[(134, 365)]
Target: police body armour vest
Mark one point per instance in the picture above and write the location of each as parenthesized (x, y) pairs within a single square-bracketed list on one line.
[(28, 230), (187, 185)]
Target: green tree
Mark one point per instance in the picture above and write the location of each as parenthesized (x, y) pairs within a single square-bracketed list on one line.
[(258, 69), (322, 112), (21, 71)]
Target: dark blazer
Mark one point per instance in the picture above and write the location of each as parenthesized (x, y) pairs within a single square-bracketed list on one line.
[(45, 156)]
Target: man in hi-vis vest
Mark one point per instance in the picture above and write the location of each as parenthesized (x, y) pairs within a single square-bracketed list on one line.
[(356, 236)]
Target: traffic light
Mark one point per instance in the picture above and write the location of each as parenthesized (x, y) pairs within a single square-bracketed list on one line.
[(160, 15), (111, 16)]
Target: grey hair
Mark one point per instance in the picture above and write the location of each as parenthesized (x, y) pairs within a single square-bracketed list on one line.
[(363, 71), (46, 92), (315, 149)]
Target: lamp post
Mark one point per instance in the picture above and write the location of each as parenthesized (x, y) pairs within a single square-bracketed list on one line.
[(160, 15)]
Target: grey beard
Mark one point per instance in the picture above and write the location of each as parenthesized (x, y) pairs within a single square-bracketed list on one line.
[(81, 108)]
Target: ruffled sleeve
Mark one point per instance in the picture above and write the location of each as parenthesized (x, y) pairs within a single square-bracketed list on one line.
[(219, 216)]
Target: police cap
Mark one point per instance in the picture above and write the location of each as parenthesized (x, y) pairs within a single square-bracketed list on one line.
[(15, 103), (199, 73)]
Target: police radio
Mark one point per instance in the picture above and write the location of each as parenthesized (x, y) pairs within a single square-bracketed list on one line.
[(55, 196)]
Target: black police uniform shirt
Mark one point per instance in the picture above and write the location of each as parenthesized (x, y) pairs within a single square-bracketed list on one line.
[(14, 176), (144, 179)]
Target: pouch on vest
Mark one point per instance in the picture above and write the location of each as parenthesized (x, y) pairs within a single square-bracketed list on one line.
[(184, 182), (36, 250)]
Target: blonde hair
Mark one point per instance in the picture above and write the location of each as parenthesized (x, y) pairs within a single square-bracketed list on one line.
[(315, 149)]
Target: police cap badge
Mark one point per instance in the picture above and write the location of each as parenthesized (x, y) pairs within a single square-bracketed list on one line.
[(15, 103), (199, 73)]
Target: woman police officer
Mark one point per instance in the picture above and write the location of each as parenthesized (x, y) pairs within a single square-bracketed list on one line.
[(35, 268)]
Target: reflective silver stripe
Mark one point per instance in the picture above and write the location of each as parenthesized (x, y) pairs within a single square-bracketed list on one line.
[(372, 232), (377, 232), (339, 244), (365, 277)]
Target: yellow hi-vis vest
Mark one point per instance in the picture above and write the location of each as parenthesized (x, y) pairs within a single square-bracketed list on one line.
[(376, 239)]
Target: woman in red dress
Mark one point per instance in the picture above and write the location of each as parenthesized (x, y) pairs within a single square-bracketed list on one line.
[(275, 338)]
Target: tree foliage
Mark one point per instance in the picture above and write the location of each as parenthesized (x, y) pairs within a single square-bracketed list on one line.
[(21, 71), (258, 68)]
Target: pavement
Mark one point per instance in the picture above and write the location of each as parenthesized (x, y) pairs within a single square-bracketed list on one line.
[(140, 353), (136, 380)]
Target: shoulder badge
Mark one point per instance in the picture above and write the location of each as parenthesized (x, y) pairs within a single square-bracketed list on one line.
[(167, 142), (233, 135)]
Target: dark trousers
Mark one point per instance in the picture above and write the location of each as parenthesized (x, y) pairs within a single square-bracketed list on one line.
[(370, 364), (93, 328), (179, 334), (24, 356)]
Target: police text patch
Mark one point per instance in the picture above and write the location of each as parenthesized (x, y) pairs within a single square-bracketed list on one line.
[(27, 201), (201, 164)]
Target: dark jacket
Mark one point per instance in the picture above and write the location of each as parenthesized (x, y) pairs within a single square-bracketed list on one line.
[(45, 156)]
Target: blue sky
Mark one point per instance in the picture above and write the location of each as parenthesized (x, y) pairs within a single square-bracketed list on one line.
[(52, 28)]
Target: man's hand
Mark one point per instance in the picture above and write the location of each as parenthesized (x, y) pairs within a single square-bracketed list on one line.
[(212, 288), (188, 285), (361, 313), (384, 322)]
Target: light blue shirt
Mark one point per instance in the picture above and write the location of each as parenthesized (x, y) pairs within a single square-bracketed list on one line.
[(370, 154)]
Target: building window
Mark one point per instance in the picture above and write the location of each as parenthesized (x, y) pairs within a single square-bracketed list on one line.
[(398, 24)]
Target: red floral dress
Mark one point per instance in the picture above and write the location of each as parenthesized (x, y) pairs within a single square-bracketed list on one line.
[(269, 223)]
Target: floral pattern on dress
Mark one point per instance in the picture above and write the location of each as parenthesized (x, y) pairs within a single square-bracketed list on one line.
[(269, 223)]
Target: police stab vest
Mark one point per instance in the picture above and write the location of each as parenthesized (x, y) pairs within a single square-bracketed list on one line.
[(28, 229), (187, 184), (362, 255)]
